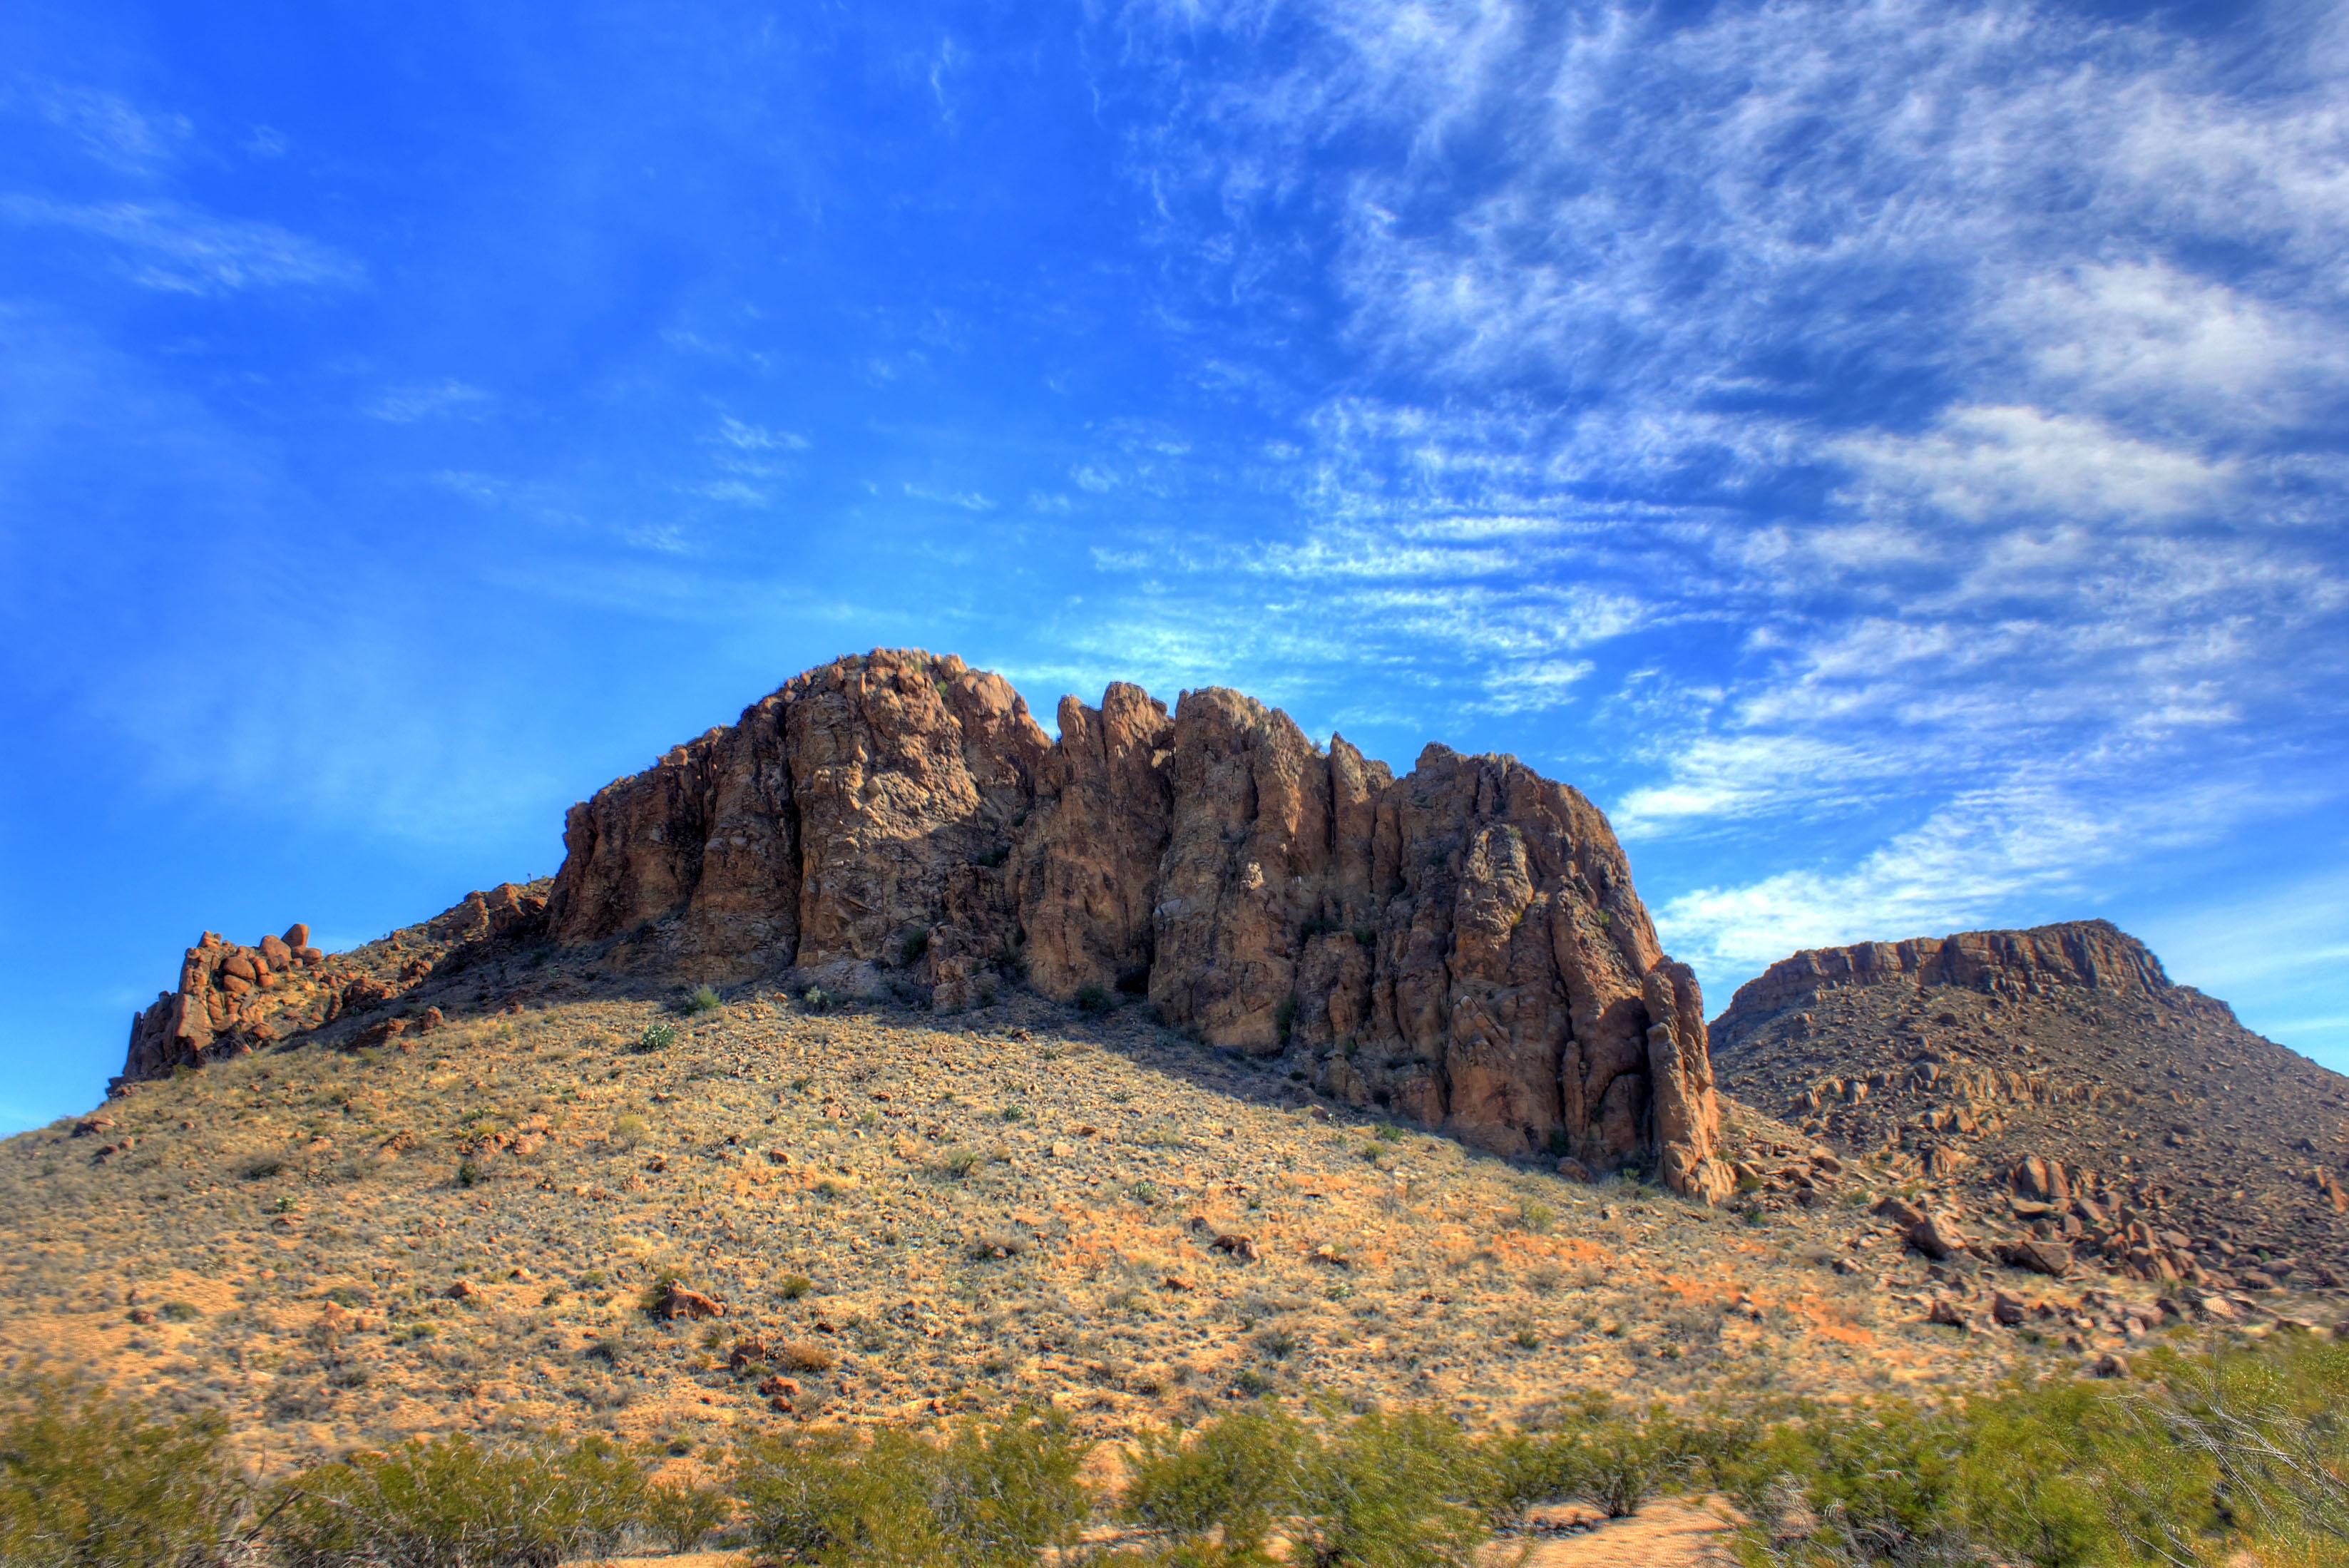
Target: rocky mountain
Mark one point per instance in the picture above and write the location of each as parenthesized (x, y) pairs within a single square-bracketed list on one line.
[(2056, 1078), (1462, 944)]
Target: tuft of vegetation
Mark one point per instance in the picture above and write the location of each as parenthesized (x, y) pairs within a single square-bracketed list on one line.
[(790, 1287), (910, 950), (991, 1494), (629, 1132), (681, 1515), (1094, 999), (705, 999), (90, 1481), (458, 1501), (656, 1037)]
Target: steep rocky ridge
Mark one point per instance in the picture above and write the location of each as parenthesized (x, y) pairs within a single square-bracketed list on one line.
[(1462, 944), (2057, 1077)]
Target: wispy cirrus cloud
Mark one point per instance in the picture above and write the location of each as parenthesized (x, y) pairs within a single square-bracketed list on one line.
[(1970, 376), (180, 248), (445, 398)]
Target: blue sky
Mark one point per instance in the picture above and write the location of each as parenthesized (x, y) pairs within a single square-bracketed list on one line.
[(1891, 455)]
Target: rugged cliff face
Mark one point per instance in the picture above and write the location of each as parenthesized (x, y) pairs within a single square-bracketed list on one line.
[(1461, 943)]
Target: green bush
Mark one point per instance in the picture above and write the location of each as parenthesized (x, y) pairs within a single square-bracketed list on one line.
[(1519, 1471), (1092, 999), (992, 1493), (910, 950), (705, 999), (456, 1502), (680, 1514), (1229, 1485), (656, 1037), (2209, 1457), (88, 1481), (1394, 1490)]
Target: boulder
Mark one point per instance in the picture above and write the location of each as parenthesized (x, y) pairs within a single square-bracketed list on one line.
[(2051, 1258), (1937, 1236), (677, 1302), (297, 935)]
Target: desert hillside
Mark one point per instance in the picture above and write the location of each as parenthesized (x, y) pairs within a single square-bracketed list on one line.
[(877, 1059), (905, 1215), (2057, 1078)]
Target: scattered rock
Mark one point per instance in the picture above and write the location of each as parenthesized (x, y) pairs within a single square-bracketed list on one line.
[(677, 1302), (1937, 1236), (1945, 1311)]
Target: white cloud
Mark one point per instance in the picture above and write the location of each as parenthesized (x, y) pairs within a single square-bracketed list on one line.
[(110, 129), (753, 439), (969, 501), (184, 250), (448, 399), (1980, 462), (1965, 379)]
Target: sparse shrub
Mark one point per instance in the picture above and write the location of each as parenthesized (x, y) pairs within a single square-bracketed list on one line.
[(468, 1173), (629, 1132), (996, 1493), (817, 999), (1386, 1490), (679, 1514), (261, 1170), (705, 999), (1230, 1484), (1517, 1471), (456, 1502), (89, 1481), (910, 950), (806, 1355), (657, 1037), (1091, 999), (959, 1162), (790, 1287)]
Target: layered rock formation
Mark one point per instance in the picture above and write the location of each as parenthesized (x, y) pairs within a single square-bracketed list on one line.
[(1461, 943), (2056, 1076)]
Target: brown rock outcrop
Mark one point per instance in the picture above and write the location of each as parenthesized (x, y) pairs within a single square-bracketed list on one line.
[(2055, 1074), (232, 998), (1461, 943)]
